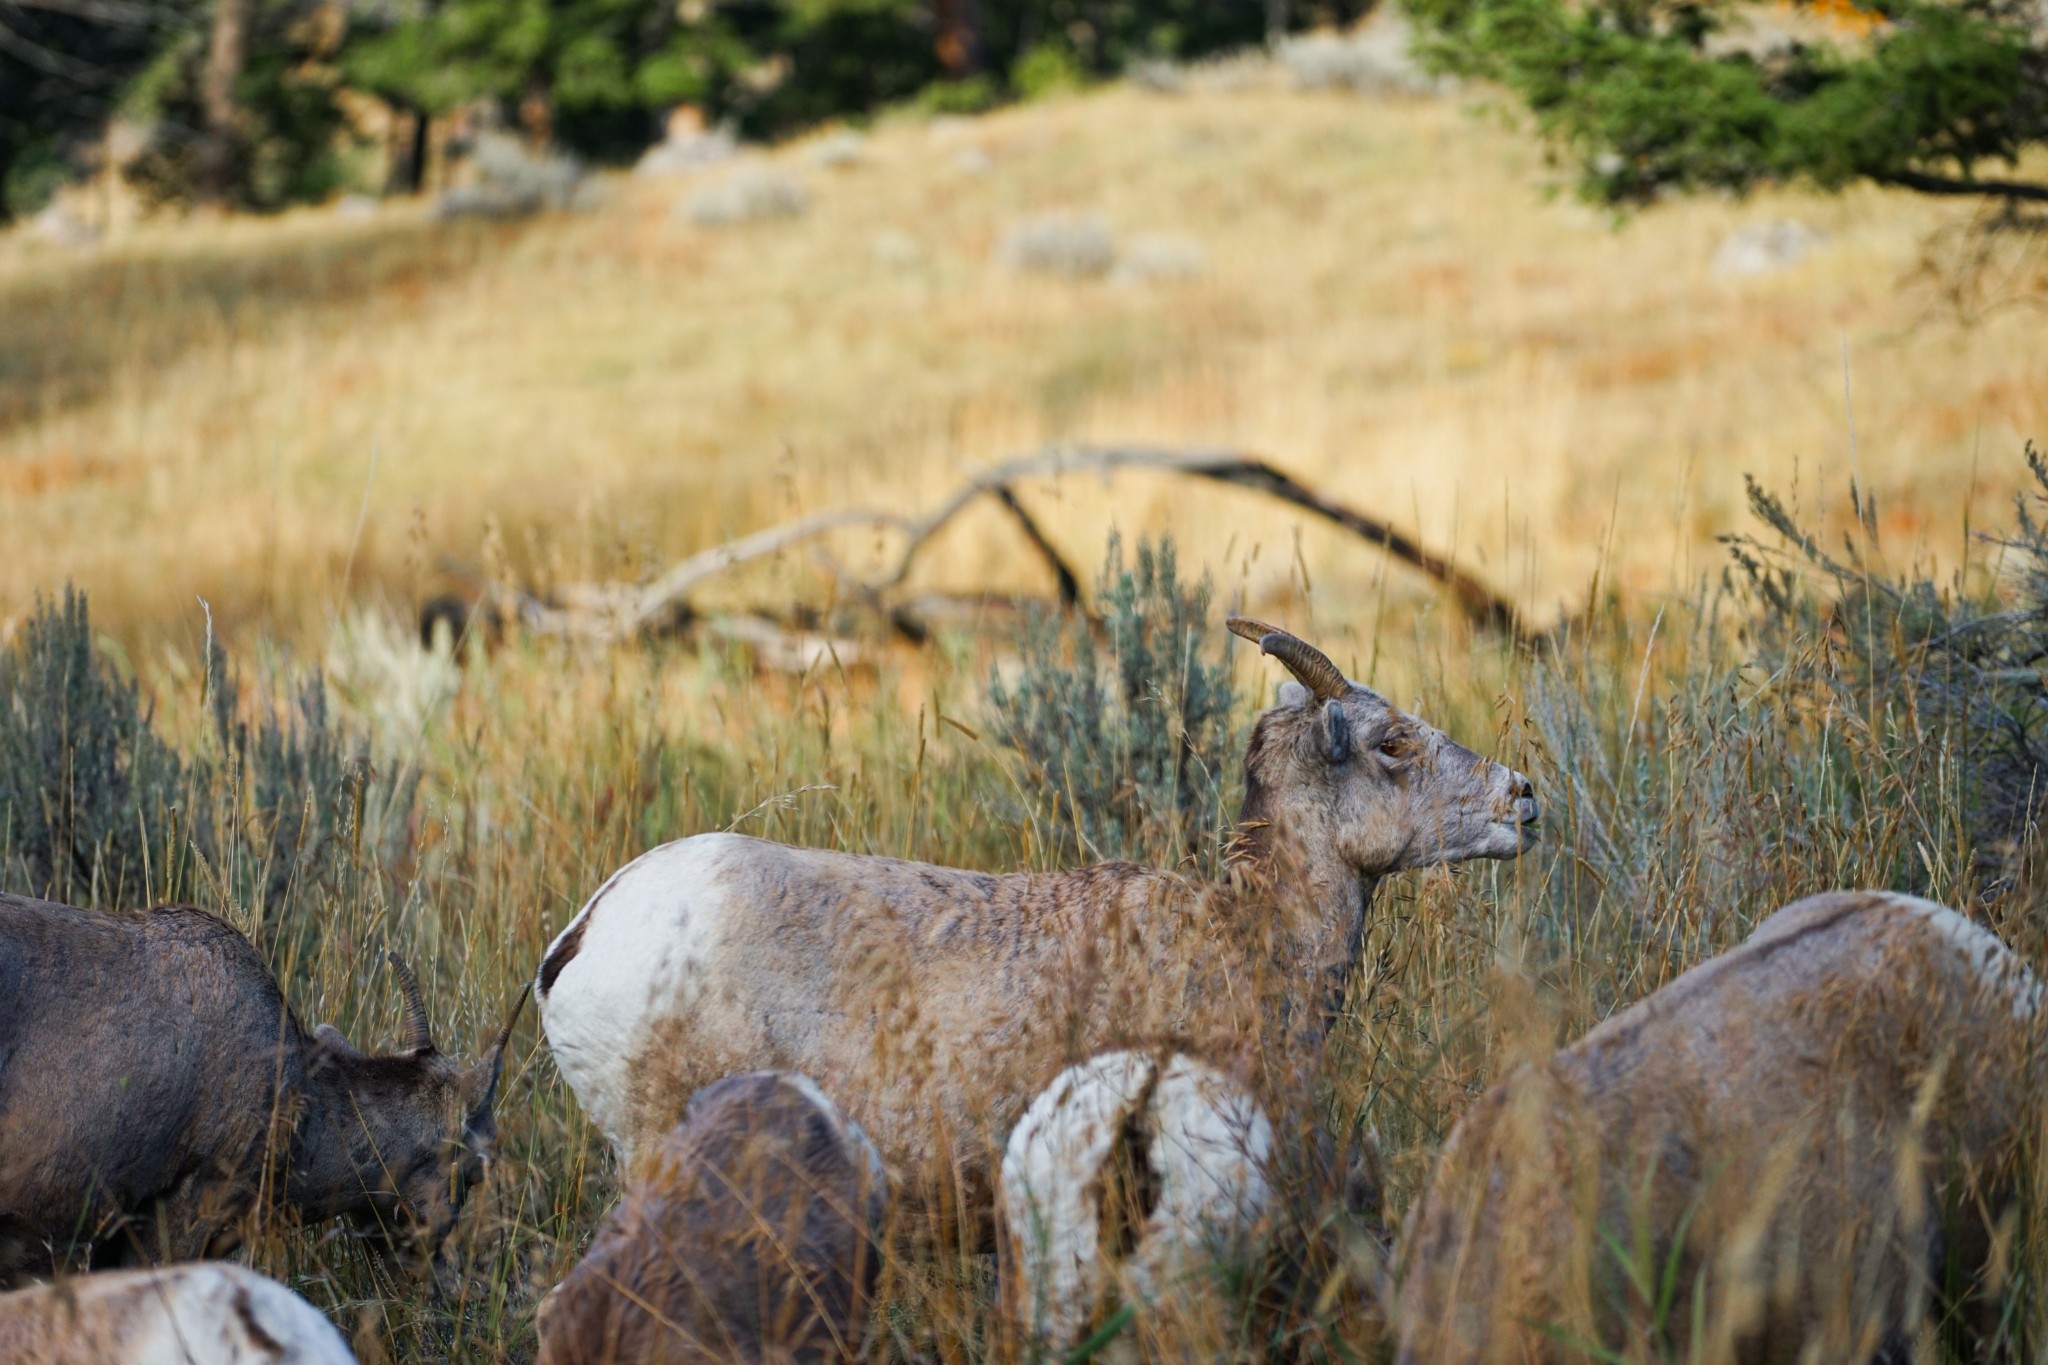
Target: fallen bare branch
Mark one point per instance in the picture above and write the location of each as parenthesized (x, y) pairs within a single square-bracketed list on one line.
[(609, 612)]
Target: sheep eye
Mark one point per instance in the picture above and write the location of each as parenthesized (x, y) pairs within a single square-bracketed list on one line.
[(1393, 746)]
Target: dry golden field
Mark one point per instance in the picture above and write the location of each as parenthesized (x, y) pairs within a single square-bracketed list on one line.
[(299, 420), (1395, 309)]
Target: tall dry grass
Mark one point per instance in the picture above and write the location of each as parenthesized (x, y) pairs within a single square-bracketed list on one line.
[(1698, 771), (1391, 311)]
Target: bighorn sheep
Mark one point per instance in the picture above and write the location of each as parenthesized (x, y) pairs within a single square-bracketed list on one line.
[(935, 1002), (153, 1080), (213, 1314), (1122, 1183), (1771, 1159), (751, 1233)]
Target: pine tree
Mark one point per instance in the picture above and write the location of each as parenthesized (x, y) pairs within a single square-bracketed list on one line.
[(1650, 96)]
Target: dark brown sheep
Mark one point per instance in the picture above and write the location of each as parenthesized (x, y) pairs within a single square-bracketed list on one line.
[(153, 1083), (751, 1233)]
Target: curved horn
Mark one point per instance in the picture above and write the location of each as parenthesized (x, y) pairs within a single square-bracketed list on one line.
[(1310, 666), (493, 1063), (415, 1007)]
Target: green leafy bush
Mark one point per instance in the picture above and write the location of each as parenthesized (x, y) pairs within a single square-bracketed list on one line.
[(97, 808), (1128, 740), (1646, 98)]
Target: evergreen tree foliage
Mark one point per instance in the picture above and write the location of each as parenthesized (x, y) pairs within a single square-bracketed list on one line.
[(1651, 96), (595, 76)]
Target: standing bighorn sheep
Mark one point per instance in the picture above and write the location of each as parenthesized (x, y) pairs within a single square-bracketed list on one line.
[(934, 1002), (752, 1233), (1125, 1182), (1775, 1158), (208, 1314), (153, 1081)]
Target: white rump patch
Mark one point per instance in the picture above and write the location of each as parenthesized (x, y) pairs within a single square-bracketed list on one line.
[(1208, 1146), (222, 1314), (648, 938)]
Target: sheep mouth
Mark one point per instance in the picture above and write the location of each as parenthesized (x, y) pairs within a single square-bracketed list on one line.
[(1527, 833)]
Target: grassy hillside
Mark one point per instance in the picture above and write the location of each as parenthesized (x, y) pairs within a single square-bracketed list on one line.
[(296, 420), (1394, 309)]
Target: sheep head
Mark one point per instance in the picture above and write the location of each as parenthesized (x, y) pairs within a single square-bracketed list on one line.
[(1338, 769), (408, 1134)]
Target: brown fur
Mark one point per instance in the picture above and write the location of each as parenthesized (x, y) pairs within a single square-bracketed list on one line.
[(935, 999), (153, 1081), (749, 1235), (1807, 1127)]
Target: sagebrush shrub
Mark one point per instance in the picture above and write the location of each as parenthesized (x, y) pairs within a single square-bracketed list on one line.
[(1129, 739), (90, 796), (98, 808), (1925, 671)]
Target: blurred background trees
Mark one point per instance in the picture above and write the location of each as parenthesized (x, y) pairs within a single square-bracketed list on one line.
[(259, 103)]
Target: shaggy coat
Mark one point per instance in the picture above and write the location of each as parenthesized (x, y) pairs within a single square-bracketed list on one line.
[(1797, 1139), (179, 1315), (749, 1235), (153, 1081), (935, 1002)]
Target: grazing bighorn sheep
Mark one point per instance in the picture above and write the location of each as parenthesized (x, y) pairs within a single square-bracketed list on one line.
[(1126, 1180), (1794, 1140), (153, 1081), (752, 1233), (936, 1002), (208, 1314)]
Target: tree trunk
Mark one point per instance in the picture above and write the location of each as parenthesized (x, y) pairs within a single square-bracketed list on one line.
[(537, 112), (959, 43), (220, 143), (409, 154)]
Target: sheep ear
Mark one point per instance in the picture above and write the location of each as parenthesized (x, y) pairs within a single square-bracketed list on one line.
[(329, 1047), (1290, 693), (1336, 733)]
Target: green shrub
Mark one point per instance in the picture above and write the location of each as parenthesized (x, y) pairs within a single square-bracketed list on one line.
[(97, 808), (91, 800), (1046, 69), (1129, 742), (1923, 670)]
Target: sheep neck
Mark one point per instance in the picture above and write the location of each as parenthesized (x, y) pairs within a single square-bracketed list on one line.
[(1322, 898)]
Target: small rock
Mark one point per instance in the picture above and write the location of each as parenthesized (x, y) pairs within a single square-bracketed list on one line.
[(1374, 59), (1159, 258), (59, 226), (685, 150), (896, 249), (840, 149), (1160, 77), (1060, 244), (755, 194), (974, 161), (355, 206), (1763, 248), (511, 182)]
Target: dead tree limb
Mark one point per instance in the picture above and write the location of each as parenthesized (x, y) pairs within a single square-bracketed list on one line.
[(1063, 575), (1479, 602), (613, 611)]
